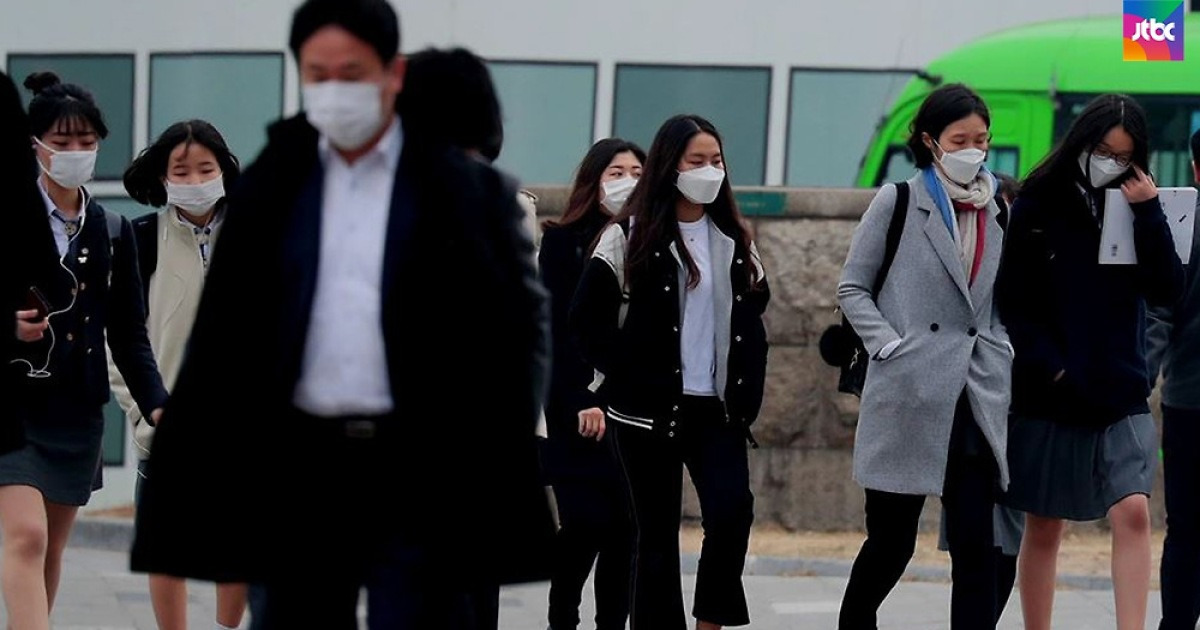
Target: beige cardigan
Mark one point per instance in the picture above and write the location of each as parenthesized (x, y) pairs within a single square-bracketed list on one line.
[(174, 296)]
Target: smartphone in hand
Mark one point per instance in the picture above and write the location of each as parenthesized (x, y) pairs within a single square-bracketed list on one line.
[(35, 300)]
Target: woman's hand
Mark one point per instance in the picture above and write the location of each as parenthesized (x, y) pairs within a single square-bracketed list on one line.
[(591, 423), (29, 329), (1140, 187)]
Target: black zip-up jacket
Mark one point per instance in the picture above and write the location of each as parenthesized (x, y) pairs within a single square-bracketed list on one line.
[(641, 361), (561, 259), (1065, 312)]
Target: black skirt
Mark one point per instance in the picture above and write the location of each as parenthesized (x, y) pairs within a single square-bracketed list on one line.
[(1076, 472), (61, 456)]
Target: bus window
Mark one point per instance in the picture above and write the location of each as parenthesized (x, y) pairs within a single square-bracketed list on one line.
[(898, 164), (1003, 160), (1172, 121)]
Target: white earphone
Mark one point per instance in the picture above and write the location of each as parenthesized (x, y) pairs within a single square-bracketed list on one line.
[(44, 372)]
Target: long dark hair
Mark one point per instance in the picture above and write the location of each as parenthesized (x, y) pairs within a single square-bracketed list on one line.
[(584, 201), (144, 177), (1104, 113), (63, 106), (652, 203)]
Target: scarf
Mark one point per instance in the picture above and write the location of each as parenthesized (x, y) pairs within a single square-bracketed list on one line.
[(961, 207)]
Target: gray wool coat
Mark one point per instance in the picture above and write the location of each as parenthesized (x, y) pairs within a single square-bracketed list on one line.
[(951, 341)]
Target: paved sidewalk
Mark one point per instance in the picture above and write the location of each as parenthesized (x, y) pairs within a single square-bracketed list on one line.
[(99, 593)]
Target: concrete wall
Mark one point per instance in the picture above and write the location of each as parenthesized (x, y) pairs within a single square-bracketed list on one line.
[(801, 475)]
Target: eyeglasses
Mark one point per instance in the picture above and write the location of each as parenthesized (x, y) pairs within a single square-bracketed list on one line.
[(1124, 161)]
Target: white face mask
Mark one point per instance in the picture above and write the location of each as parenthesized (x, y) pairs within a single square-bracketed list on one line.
[(963, 165), (69, 169), (701, 185), (349, 114), (1100, 171), (616, 193), (196, 199)]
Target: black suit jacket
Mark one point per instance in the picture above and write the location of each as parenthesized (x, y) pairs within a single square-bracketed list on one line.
[(467, 396)]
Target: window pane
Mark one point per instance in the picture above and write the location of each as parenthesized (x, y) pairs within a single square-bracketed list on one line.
[(898, 166), (736, 100), (549, 111), (240, 94), (125, 207), (831, 119), (110, 79), (1003, 160)]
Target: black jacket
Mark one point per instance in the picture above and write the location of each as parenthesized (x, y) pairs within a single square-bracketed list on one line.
[(641, 361), (1066, 312), (465, 474), (101, 275), (25, 226), (561, 260)]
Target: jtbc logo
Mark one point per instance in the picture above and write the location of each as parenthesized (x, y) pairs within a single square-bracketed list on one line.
[(1152, 29)]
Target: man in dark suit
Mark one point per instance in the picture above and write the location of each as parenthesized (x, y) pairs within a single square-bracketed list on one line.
[(328, 374)]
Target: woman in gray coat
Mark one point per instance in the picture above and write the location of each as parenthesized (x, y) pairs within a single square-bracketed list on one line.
[(933, 419)]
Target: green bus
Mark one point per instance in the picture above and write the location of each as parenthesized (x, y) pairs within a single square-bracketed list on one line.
[(1036, 79)]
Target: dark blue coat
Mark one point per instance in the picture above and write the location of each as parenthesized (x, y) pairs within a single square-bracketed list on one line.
[(1067, 313)]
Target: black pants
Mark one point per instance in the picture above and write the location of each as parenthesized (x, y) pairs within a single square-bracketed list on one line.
[(364, 532), (595, 527), (969, 496), (1181, 551), (714, 452), (1006, 578)]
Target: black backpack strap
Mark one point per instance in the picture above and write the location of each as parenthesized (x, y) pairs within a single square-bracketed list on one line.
[(145, 233), (895, 231)]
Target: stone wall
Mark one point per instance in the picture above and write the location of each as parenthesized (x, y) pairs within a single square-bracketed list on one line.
[(802, 473)]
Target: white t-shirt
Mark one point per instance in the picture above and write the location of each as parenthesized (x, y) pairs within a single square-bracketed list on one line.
[(698, 341)]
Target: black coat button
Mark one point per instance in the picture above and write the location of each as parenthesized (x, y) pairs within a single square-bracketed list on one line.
[(934, 327), (972, 332)]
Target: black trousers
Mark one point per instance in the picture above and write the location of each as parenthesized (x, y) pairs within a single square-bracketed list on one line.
[(1181, 551), (1006, 578), (968, 497), (594, 528), (356, 541), (714, 452)]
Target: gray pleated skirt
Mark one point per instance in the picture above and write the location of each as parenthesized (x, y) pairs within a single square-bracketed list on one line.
[(62, 451), (1078, 473)]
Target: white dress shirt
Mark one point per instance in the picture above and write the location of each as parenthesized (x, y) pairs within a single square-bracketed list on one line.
[(345, 369), (58, 222), (698, 341)]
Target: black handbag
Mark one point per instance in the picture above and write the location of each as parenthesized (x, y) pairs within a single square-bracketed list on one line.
[(840, 346)]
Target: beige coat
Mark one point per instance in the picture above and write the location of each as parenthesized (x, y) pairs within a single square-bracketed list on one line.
[(174, 296)]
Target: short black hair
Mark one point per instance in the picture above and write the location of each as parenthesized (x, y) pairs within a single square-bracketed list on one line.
[(1196, 147), (56, 105), (373, 21), (944, 106), (449, 98), (144, 177)]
